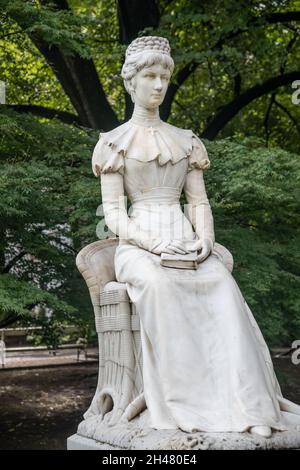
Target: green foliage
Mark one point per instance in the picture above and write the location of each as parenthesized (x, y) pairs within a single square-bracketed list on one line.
[(254, 194), (49, 204), (233, 43), (230, 43), (56, 27), (49, 196), (45, 177), (19, 297), (51, 333)]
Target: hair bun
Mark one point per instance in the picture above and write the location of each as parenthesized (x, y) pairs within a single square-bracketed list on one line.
[(148, 43)]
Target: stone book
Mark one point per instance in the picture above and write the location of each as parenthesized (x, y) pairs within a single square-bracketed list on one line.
[(186, 261)]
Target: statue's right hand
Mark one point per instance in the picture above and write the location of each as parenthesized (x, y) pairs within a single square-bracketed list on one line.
[(177, 246), (168, 246)]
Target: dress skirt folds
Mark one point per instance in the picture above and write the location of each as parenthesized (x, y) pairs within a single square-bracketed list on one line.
[(206, 365)]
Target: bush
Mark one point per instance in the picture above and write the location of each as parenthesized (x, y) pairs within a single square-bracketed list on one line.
[(254, 193), (48, 210)]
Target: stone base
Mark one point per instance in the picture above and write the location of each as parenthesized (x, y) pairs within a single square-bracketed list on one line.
[(77, 442), (94, 434)]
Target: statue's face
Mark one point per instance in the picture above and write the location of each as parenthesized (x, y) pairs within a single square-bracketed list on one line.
[(150, 85)]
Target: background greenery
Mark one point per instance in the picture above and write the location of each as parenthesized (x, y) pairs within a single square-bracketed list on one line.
[(235, 64)]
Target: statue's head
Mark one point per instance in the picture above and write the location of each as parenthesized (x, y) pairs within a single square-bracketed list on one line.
[(147, 70)]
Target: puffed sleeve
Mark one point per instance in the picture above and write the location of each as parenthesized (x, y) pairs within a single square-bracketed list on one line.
[(106, 159), (198, 157)]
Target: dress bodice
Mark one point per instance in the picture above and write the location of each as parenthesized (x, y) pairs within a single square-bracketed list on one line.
[(141, 177), (149, 157), (154, 162)]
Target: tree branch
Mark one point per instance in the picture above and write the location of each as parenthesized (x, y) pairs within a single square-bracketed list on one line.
[(13, 261), (77, 76), (182, 75), (57, 240), (12, 34), (285, 110), (267, 117), (12, 317), (232, 108), (136, 15), (188, 69), (9, 320), (237, 84), (289, 47), (44, 112), (283, 17)]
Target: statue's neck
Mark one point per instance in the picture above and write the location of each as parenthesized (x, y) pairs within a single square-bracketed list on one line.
[(145, 116)]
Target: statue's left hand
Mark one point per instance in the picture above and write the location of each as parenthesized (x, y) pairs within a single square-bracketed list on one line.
[(206, 247)]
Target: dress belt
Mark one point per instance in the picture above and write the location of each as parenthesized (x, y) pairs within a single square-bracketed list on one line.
[(158, 194)]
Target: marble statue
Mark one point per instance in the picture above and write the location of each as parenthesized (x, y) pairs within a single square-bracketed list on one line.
[(206, 366)]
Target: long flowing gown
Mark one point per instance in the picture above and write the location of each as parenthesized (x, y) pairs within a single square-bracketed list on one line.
[(206, 365)]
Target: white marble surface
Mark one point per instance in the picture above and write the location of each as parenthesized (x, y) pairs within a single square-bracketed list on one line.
[(176, 440), (206, 365)]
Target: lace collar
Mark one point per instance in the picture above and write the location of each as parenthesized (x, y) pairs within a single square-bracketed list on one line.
[(161, 141), (146, 143)]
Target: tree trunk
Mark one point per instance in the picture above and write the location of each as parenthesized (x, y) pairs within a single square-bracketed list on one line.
[(80, 81), (136, 15), (77, 76)]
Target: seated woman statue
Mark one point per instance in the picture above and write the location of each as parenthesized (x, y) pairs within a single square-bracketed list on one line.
[(206, 366)]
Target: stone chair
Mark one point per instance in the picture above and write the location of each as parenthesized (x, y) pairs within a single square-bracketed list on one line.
[(119, 392)]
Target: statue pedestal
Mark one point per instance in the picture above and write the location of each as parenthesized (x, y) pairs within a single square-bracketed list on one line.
[(77, 442), (134, 435)]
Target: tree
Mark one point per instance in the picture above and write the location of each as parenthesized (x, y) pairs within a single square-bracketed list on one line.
[(61, 62), (252, 50), (42, 185)]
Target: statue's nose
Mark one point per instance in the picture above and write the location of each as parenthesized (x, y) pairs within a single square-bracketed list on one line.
[(158, 85)]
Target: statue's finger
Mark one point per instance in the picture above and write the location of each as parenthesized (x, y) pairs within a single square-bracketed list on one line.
[(178, 243), (178, 249), (169, 251), (196, 246), (203, 256)]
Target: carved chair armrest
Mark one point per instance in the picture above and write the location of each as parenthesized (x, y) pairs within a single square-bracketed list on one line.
[(96, 264), (224, 255)]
